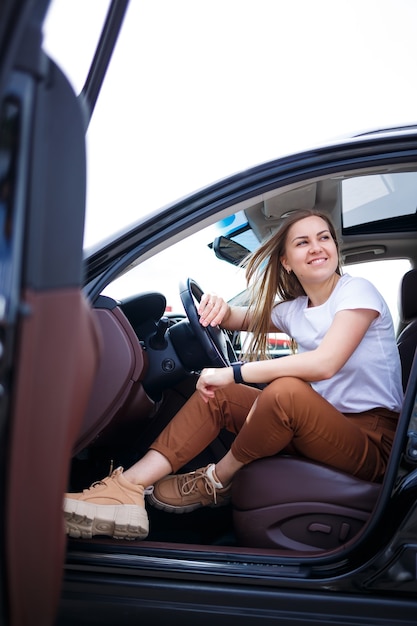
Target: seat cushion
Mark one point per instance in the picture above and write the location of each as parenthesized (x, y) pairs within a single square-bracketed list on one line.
[(295, 504)]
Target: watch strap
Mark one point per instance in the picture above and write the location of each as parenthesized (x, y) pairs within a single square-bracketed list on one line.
[(237, 372)]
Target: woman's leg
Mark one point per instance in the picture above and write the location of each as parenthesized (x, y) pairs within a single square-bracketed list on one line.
[(287, 414), (191, 430), (150, 468), (198, 423), (115, 505), (290, 413), (194, 427)]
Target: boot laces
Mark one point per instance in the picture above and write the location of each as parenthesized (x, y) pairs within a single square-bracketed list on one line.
[(103, 481), (189, 483)]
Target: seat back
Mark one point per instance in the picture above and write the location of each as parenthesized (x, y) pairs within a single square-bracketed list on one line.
[(407, 308)]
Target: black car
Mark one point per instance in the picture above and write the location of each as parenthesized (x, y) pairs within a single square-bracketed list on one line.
[(100, 350)]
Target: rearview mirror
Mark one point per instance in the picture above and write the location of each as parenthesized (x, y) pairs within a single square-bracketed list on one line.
[(229, 250)]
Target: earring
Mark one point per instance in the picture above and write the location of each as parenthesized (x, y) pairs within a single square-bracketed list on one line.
[(288, 270)]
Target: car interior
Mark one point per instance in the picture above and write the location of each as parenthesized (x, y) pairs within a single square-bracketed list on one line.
[(100, 356), (152, 348)]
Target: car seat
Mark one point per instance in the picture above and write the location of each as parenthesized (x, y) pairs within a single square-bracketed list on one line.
[(407, 308), (290, 503)]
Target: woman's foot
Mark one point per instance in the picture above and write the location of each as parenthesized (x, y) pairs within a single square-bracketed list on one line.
[(183, 493), (112, 506)]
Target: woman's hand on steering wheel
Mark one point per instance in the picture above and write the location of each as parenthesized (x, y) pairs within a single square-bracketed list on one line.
[(205, 312), (212, 310)]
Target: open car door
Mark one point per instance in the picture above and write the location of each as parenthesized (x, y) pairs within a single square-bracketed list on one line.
[(49, 345)]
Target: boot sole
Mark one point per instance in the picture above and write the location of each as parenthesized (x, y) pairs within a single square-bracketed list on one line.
[(183, 508), (85, 520)]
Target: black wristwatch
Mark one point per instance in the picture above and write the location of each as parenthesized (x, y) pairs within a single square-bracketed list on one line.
[(237, 372)]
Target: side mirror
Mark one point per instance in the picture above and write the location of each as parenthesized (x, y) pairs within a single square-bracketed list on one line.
[(229, 250)]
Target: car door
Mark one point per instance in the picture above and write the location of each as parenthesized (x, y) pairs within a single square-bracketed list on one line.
[(49, 344)]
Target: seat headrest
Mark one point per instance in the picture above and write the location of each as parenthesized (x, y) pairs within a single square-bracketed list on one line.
[(407, 304)]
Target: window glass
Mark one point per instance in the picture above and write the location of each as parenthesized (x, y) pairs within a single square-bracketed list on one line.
[(386, 276), (370, 198)]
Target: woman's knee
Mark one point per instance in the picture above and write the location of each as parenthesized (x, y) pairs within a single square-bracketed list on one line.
[(284, 388)]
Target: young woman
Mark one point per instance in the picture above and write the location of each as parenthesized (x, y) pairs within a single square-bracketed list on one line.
[(329, 401)]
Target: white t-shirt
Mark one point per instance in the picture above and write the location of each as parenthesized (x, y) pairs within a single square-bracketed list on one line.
[(372, 375)]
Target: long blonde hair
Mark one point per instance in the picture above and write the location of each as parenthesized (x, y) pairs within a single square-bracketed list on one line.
[(268, 281)]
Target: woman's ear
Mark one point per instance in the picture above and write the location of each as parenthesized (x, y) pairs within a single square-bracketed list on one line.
[(285, 265)]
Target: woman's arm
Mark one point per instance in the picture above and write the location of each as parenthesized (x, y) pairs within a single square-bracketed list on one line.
[(340, 341), (214, 311)]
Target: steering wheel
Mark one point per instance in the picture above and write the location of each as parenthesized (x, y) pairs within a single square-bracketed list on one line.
[(214, 340)]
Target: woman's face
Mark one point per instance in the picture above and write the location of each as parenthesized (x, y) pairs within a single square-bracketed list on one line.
[(310, 251)]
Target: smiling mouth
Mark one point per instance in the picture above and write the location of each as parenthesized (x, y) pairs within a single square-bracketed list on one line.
[(317, 261)]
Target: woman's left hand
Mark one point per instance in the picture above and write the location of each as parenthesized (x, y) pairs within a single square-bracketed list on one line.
[(212, 379)]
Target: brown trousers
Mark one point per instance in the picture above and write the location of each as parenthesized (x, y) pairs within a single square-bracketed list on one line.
[(287, 415)]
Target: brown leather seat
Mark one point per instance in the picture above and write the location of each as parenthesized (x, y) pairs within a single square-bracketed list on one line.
[(296, 504), (292, 503)]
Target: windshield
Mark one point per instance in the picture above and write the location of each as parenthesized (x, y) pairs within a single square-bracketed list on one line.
[(192, 257)]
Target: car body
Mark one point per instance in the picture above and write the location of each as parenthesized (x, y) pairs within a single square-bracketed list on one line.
[(98, 355)]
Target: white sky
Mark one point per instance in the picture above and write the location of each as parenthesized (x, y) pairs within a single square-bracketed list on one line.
[(199, 90)]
